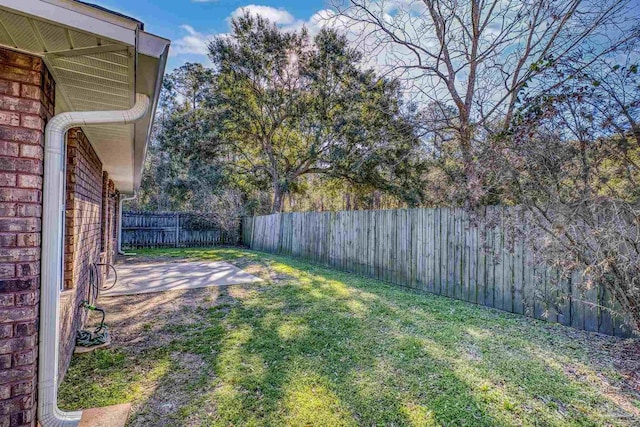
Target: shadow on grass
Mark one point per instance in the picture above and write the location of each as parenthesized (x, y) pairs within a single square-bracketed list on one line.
[(319, 347), (327, 361)]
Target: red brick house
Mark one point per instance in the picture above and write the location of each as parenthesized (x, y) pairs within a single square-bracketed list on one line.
[(78, 90)]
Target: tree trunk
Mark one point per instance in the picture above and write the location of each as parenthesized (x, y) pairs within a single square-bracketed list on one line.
[(278, 198), (473, 186)]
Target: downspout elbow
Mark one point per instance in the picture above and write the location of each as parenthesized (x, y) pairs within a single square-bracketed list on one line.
[(53, 209)]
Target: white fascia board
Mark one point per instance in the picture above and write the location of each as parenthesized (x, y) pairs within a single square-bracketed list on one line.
[(152, 45), (77, 16)]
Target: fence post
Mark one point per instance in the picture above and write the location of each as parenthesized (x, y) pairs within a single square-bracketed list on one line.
[(177, 230)]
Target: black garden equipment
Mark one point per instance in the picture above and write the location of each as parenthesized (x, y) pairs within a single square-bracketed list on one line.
[(100, 335)]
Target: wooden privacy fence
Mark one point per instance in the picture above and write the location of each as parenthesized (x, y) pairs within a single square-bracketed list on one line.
[(170, 229), (439, 251)]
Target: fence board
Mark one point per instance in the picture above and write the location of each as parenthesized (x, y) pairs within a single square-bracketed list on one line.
[(437, 255), (173, 229), (501, 267), (436, 250), (489, 252)]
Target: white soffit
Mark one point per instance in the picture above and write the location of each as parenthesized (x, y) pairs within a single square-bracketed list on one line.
[(92, 57)]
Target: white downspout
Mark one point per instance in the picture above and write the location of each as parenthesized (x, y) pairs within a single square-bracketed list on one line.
[(122, 199), (53, 209)]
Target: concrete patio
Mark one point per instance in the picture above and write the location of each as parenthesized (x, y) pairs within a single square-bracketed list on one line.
[(147, 277)]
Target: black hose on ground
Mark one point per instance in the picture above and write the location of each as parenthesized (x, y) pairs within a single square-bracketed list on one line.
[(99, 335)]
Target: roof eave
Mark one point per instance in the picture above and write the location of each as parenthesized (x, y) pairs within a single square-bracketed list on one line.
[(153, 53), (80, 16), (112, 28)]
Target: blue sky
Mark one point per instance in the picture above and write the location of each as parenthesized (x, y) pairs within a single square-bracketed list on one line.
[(189, 23)]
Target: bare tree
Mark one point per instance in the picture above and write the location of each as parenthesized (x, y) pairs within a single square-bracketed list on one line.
[(571, 159), (479, 55), (226, 211)]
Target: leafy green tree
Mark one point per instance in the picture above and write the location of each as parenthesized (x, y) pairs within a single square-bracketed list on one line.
[(284, 106), (187, 86), (282, 115), (175, 179)]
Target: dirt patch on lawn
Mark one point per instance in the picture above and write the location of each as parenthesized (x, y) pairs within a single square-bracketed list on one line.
[(621, 356), (626, 357), (136, 321), (141, 325)]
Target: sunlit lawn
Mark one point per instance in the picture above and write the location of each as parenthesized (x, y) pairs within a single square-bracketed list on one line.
[(316, 347)]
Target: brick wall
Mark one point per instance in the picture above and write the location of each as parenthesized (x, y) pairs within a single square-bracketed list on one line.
[(91, 202), (112, 222), (110, 198), (26, 103), (114, 226), (83, 236)]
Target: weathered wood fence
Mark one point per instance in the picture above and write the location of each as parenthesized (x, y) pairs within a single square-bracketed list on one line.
[(439, 251), (169, 229)]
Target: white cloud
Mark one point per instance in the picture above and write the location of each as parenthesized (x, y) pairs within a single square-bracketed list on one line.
[(277, 16), (285, 20), (319, 20), (193, 42)]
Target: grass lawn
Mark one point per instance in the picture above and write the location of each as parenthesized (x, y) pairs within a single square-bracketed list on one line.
[(316, 347)]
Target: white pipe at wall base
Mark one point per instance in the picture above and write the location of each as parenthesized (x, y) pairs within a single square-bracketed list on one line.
[(122, 199), (53, 209)]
